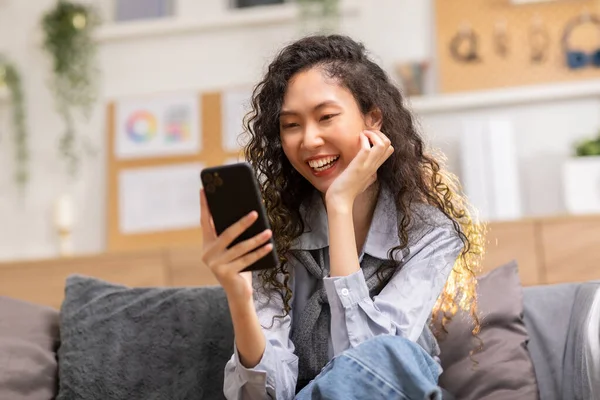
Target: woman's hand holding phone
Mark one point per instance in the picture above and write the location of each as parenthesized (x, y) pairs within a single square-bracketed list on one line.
[(227, 264)]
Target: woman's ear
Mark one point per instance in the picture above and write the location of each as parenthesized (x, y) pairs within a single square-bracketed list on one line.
[(374, 119)]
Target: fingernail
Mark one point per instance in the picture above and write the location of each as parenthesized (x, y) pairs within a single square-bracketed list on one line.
[(267, 232), (252, 214)]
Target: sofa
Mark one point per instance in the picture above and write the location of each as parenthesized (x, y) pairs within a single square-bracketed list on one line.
[(109, 341)]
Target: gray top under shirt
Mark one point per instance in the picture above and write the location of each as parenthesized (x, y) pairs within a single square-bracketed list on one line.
[(402, 308)]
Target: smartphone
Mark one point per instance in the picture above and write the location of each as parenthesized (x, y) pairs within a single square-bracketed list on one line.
[(232, 192)]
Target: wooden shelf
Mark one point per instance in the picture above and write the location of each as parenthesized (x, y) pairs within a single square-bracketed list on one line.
[(257, 16)]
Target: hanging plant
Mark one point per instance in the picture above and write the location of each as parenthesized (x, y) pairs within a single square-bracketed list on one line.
[(10, 78), (68, 39), (325, 13)]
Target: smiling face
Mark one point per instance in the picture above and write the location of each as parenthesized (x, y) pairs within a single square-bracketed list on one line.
[(320, 124)]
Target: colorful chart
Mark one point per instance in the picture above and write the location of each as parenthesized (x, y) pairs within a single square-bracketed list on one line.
[(158, 126), (177, 124), (141, 126)]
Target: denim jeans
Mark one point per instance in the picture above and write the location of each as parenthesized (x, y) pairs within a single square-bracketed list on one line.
[(385, 367)]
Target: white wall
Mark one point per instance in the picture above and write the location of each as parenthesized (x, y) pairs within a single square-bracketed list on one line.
[(215, 57), (545, 132), (25, 223)]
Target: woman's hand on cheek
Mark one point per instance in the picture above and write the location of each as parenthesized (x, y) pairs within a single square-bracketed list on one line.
[(362, 170)]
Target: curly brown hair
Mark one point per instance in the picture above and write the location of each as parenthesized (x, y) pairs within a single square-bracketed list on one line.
[(412, 176)]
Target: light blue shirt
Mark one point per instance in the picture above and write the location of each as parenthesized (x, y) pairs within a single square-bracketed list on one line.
[(402, 308)]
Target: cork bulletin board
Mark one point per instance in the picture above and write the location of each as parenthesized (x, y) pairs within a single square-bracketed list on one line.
[(212, 151), (513, 66)]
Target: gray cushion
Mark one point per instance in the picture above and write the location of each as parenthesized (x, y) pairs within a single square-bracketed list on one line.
[(547, 315), (504, 369), (142, 343), (557, 319), (28, 341)]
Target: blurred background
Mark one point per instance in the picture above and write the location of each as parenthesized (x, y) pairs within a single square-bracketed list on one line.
[(110, 108)]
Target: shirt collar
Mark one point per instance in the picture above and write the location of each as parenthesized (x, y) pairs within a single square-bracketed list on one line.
[(382, 235)]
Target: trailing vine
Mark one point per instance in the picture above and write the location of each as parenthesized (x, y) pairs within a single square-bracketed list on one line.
[(68, 39), (11, 79)]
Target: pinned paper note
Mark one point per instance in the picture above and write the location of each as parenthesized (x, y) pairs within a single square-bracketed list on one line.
[(159, 198), (235, 105)]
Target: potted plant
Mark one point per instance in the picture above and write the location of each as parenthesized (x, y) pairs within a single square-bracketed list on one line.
[(581, 175), (319, 15), (11, 80)]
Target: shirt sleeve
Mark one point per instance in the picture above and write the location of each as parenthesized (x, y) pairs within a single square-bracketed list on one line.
[(404, 305), (275, 376)]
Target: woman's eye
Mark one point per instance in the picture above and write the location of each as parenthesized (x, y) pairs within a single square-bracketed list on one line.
[(291, 125), (327, 117)]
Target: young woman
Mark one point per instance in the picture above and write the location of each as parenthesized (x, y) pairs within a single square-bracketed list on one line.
[(376, 244)]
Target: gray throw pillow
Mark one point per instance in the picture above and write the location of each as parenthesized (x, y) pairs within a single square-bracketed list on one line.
[(504, 369), (142, 343), (559, 319), (28, 342)]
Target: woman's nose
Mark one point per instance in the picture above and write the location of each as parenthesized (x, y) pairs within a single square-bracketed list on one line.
[(313, 137)]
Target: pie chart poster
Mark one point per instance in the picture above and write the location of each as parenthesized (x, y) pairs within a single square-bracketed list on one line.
[(158, 126)]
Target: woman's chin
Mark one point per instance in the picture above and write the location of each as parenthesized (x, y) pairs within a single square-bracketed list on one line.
[(320, 187), (323, 180)]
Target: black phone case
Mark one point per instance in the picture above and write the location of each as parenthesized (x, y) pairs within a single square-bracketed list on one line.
[(232, 192)]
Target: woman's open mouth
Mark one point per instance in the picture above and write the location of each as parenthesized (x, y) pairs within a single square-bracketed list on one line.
[(323, 164)]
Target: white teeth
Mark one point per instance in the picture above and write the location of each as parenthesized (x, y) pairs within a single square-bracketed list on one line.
[(323, 163)]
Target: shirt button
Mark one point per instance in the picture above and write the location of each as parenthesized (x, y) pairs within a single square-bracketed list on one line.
[(345, 292)]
